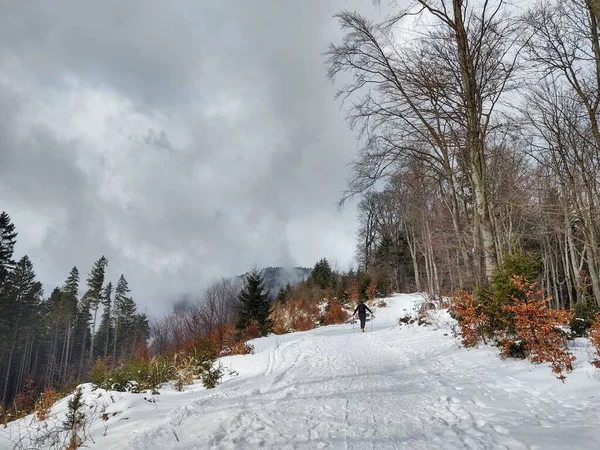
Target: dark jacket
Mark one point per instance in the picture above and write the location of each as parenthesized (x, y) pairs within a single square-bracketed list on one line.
[(362, 309)]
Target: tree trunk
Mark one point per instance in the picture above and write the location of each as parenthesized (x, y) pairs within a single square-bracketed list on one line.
[(9, 365), (475, 139)]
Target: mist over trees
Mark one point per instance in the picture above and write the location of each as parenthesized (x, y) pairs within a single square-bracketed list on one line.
[(51, 342), (478, 125)]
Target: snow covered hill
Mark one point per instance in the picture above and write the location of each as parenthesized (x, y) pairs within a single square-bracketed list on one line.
[(393, 387)]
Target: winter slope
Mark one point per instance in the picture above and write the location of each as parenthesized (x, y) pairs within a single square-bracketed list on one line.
[(405, 387)]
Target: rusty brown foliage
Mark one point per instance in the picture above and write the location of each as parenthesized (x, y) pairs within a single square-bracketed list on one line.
[(537, 328), (473, 319), (45, 402), (335, 314)]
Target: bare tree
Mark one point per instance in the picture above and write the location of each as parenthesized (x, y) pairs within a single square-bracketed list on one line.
[(432, 98), (562, 110), (367, 233), (218, 304)]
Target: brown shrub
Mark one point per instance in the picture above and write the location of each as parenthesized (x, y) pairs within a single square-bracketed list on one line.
[(353, 291), (372, 288), (252, 331), (299, 313), (242, 348), (382, 304), (279, 318), (141, 352), (536, 326), (45, 402), (473, 319), (224, 338), (334, 314), (24, 402), (303, 315)]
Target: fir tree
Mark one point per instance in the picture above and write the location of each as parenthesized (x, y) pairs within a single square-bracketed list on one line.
[(255, 304), (8, 238), (322, 275), (75, 420)]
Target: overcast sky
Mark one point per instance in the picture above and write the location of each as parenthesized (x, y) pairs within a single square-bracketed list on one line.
[(183, 140)]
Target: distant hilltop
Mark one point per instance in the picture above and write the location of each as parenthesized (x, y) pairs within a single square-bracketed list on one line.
[(277, 277)]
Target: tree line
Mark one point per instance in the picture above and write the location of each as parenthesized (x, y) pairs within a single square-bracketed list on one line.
[(91, 330), (479, 133), (52, 341)]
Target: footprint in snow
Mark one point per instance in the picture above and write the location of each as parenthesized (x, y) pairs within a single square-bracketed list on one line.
[(478, 403), (500, 429)]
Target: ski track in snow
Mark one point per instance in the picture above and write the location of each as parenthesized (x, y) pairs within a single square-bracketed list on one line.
[(397, 387)]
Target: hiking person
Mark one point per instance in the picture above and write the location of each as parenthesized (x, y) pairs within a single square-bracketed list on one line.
[(362, 314)]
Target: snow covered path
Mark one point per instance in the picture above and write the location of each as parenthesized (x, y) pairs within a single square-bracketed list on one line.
[(397, 387)]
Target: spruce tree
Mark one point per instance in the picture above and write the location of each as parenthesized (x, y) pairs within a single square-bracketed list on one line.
[(21, 298), (91, 301), (254, 304), (8, 238), (70, 292), (52, 312), (284, 293), (122, 310), (105, 330), (322, 274)]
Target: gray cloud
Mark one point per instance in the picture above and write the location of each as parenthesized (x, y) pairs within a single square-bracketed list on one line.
[(184, 142)]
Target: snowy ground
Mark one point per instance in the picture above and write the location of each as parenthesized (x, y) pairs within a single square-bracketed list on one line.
[(395, 387)]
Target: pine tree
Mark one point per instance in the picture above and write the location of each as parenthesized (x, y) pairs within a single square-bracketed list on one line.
[(255, 304), (8, 238), (322, 274)]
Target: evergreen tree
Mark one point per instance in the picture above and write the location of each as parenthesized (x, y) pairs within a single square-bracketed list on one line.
[(53, 313), (322, 274), (91, 301), (105, 330), (254, 304), (69, 313), (8, 238), (122, 310), (140, 332), (20, 299), (284, 292)]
